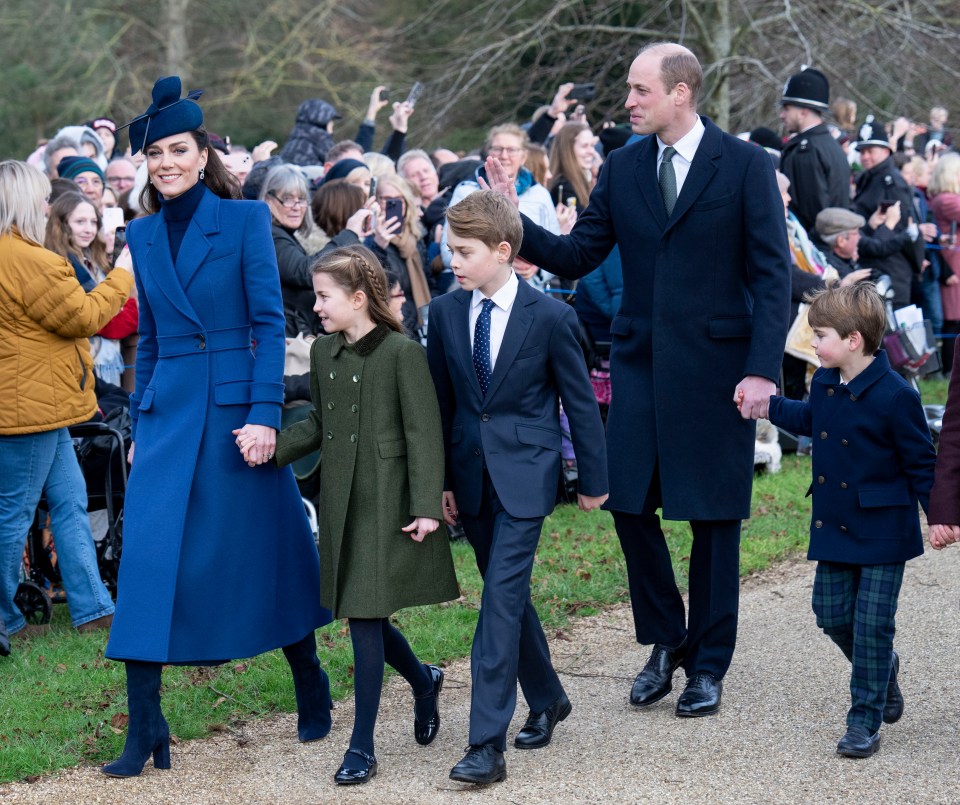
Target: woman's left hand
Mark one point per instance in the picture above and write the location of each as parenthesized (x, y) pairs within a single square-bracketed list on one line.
[(385, 230), (421, 527), (258, 443)]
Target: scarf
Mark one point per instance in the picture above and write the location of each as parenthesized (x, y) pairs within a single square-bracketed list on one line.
[(406, 244)]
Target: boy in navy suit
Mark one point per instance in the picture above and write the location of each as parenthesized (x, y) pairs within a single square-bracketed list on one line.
[(502, 355), (872, 463)]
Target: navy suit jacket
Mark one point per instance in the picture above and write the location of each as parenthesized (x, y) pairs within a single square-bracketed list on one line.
[(515, 429), (872, 464), (706, 293)]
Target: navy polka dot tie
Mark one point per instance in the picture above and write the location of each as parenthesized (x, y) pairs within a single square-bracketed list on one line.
[(481, 346)]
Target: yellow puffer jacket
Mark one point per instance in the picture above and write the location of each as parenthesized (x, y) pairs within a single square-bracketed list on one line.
[(46, 372)]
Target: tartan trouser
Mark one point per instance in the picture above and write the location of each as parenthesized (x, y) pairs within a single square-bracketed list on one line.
[(856, 607)]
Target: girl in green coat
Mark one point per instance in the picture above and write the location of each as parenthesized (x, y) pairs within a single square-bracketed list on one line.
[(377, 422)]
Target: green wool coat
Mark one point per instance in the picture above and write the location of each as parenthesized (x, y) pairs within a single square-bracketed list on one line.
[(377, 423)]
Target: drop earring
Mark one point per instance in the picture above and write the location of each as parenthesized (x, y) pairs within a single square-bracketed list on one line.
[(201, 174)]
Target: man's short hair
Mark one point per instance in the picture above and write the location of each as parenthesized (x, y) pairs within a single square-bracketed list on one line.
[(850, 308), (337, 150), (678, 66), (56, 144), (409, 156), (489, 217)]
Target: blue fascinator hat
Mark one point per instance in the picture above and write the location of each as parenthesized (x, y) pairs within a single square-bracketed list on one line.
[(168, 114)]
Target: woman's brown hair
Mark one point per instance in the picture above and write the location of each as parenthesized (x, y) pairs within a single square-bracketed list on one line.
[(59, 238), (356, 268), (564, 165), (333, 204), (216, 177)]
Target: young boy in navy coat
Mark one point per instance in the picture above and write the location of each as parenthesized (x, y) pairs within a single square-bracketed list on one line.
[(501, 355), (872, 463)]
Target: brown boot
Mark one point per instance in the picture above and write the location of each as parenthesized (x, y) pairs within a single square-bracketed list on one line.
[(100, 623), (32, 630)]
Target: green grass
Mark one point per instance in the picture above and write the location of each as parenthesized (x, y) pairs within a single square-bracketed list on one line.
[(61, 703), (934, 392)]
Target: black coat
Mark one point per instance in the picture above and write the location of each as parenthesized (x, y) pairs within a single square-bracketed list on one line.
[(818, 171), (309, 139)]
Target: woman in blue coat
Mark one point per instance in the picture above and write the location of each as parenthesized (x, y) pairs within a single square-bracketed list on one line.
[(218, 558)]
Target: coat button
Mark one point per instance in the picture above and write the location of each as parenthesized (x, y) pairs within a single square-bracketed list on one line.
[(844, 442), (201, 341), (355, 408), (820, 479), (356, 378), (818, 524), (823, 434), (476, 451), (331, 405), (843, 484), (843, 528), (329, 434), (333, 375), (484, 417), (353, 437), (829, 392), (853, 398)]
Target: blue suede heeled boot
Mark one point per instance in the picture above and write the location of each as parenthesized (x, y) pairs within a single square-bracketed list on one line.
[(312, 687), (147, 730)]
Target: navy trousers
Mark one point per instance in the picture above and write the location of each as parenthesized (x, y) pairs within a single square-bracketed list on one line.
[(509, 644)]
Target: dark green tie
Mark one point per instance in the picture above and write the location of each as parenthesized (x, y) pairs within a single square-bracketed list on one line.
[(668, 180)]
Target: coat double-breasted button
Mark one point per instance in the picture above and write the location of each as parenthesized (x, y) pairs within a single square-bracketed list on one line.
[(331, 405), (844, 529), (829, 392), (329, 434), (484, 417), (355, 408), (353, 437), (843, 484), (356, 378), (821, 479), (818, 524), (476, 451), (823, 434), (844, 442), (333, 375), (853, 398)]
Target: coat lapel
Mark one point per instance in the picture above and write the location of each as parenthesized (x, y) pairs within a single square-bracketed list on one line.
[(521, 317), (702, 169), (159, 266), (196, 246), (461, 327), (646, 173)]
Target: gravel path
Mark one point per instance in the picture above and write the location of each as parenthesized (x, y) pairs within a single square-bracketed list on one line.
[(773, 742)]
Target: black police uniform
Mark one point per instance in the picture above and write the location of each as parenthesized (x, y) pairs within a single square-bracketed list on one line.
[(818, 171)]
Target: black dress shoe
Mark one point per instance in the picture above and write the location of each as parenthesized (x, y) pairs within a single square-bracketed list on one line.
[(893, 708), (858, 743), (426, 731), (538, 730), (656, 679), (362, 767), (482, 764), (701, 696)]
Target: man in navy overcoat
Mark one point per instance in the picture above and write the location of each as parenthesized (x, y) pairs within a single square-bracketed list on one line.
[(702, 325)]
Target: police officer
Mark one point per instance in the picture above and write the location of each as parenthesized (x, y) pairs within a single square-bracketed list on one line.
[(879, 186), (812, 159)]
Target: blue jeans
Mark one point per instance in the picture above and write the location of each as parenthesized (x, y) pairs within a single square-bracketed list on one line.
[(38, 463)]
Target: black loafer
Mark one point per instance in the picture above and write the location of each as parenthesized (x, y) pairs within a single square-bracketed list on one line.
[(701, 696), (538, 730), (350, 775), (425, 731), (482, 765), (656, 679), (893, 708), (858, 743)]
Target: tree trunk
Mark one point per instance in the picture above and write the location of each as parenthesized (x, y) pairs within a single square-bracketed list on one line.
[(175, 23)]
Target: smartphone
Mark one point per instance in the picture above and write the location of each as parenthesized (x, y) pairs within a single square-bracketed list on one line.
[(373, 185), (886, 205), (112, 218), (119, 241), (384, 95), (393, 208), (953, 233), (415, 92), (582, 92)]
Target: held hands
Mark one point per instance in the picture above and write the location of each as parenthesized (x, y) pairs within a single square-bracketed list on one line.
[(941, 536), (752, 396), (450, 512), (498, 181), (257, 443), (421, 527), (588, 503)]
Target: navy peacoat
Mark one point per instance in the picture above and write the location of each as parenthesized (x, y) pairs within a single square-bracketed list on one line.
[(872, 464), (705, 303), (218, 558)]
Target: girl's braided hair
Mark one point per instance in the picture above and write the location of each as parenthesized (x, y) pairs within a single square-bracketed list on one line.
[(356, 268)]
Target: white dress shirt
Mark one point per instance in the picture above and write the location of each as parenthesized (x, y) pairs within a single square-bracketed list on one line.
[(502, 303), (686, 148)]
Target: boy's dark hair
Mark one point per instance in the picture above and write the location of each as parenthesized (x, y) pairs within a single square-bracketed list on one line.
[(849, 308), (489, 217)]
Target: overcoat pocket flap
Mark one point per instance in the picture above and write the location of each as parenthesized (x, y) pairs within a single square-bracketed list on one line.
[(713, 203), (456, 434), (392, 448), (538, 437), (146, 402), (731, 326), (620, 325), (880, 496), (232, 392)]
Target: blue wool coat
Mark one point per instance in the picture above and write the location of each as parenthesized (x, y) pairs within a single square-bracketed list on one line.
[(705, 298), (218, 558), (872, 464)]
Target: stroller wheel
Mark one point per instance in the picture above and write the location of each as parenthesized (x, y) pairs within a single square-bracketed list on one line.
[(33, 602)]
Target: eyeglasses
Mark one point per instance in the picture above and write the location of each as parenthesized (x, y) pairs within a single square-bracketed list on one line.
[(289, 203), (500, 149)]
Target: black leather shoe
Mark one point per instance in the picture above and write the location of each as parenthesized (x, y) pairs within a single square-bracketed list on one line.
[(858, 743), (893, 708), (538, 730), (365, 768), (482, 764), (425, 731), (701, 696), (656, 679)]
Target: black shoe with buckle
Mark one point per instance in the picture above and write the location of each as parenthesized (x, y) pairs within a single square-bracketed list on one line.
[(361, 769)]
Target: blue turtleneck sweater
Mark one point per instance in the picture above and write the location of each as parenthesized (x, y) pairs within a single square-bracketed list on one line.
[(178, 212)]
